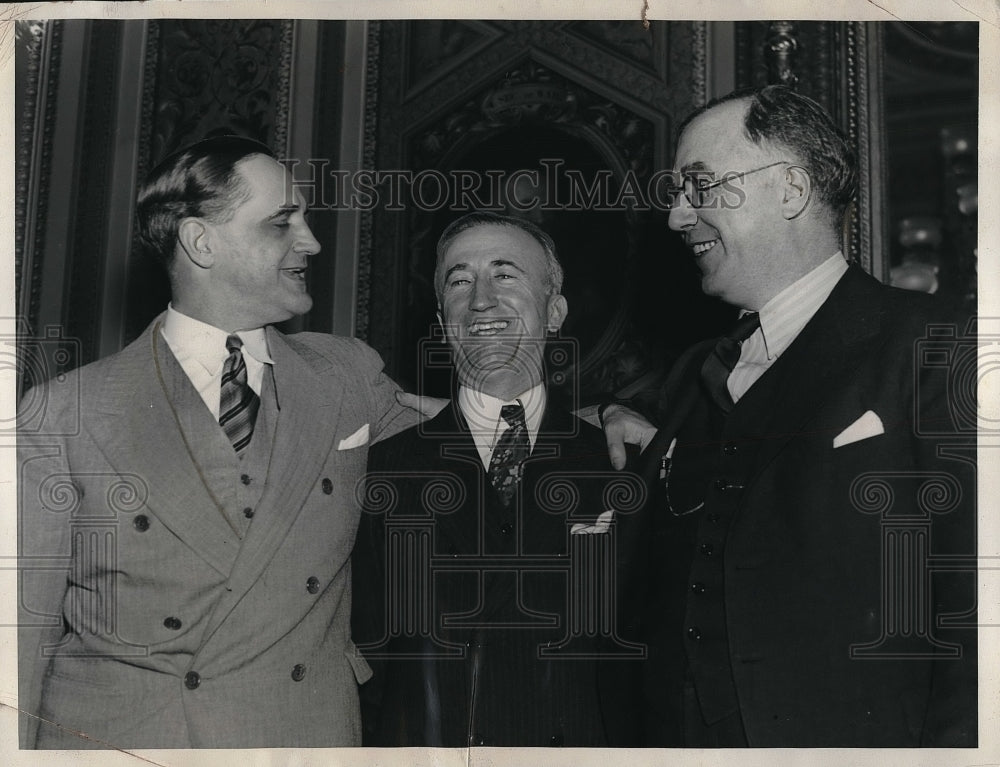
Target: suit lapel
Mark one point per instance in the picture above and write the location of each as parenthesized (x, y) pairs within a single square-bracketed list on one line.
[(152, 422), (682, 388), (454, 450), (309, 403), (811, 369)]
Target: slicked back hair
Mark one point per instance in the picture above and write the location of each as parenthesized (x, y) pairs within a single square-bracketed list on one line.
[(199, 181), (553, 269), (778, 115)]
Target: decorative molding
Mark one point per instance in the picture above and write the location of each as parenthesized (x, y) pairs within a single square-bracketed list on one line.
[(781, 52), (366, 243), (41, 41), (530, 93), (284, 92), (646, 48), (418, 75), (699, 63)]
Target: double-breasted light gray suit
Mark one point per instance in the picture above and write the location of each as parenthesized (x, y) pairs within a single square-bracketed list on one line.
[(172, 596)]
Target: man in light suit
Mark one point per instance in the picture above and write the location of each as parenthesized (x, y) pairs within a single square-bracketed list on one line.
[(486, 571), (814, 503), (186, 521)]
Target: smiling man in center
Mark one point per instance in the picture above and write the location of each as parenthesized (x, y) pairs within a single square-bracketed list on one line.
[(497, 512)]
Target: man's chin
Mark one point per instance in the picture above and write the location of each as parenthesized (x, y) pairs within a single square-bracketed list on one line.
[(499, 373)]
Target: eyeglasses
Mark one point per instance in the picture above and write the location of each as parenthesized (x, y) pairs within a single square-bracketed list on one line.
[(699, 190)]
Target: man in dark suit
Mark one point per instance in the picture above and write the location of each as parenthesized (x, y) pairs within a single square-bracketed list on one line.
[(485, 571), (188, 505), (814, 505)]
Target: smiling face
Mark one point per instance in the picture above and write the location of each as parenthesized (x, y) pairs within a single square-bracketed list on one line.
[(259, 256), (496, 308), (737, 237)]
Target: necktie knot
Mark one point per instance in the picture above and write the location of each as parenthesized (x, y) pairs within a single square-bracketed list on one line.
[(238, 403), (720, 363), (745, 327), (513, 414)]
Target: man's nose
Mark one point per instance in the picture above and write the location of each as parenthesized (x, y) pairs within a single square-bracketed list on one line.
[(306, 241), (683, 215), (483, 296)]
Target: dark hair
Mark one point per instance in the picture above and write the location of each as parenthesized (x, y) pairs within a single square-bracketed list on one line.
[(200, 180), (553, 269), (778, 115)]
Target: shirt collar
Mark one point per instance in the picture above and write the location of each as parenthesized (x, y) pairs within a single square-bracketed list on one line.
[(206, 343), (482, 412), (783, 317)]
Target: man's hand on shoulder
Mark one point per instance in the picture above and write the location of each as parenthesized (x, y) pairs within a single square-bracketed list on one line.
[(428, 407), (623, 426)]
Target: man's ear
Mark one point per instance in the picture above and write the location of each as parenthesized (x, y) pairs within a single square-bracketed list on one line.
[(796, 192), (193, 237), (557, 310)]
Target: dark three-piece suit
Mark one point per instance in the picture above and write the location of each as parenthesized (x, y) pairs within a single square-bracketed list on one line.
[(815, 546), (489, 624)]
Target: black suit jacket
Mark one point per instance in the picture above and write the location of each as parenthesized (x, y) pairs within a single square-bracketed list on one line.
[(489, 625), (828, 590)]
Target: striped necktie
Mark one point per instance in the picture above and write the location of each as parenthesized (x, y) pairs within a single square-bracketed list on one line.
[(513, 447), (720, 363), (238, 403)]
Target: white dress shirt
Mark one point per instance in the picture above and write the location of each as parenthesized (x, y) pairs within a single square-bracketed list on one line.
[(201, 351), (482, 412), (781, 320)]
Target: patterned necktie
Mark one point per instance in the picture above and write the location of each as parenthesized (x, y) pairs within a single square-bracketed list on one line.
[(720, 363), (513, 447), (238, 403)]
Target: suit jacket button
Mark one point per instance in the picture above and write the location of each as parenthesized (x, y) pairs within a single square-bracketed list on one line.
[(721, 484), (141, 523), (248, 512), (245, 479), (698, 587), (327, 485), (506, 528), (172, 623), (298, 673), (192, 680), (707, 549), (730, 448), (478, 740), (312, 585), (694, 633), (556, 740)]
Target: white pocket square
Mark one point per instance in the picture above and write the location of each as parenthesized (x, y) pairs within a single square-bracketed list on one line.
[(601, 526), (868, 425), (359, 438)]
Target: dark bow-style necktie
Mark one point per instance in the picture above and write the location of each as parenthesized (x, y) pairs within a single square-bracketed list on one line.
[(720, 363), (238, 403), (513, 447)]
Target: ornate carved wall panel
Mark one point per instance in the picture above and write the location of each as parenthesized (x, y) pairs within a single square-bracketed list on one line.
[(496, 98)]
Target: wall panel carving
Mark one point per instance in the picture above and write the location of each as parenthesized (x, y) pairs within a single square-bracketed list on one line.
[(216, 75)]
